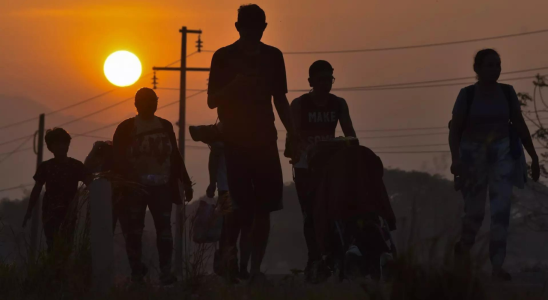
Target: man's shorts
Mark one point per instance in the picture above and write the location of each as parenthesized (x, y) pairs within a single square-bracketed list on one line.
[(255, 177)]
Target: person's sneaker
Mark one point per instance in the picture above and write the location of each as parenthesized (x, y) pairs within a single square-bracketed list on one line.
[(139, 277), (501, 275), (244, 274), (319, 272), (168, 279), (258, 280)]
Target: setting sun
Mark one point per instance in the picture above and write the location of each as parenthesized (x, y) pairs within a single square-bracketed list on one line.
[(122, 68)]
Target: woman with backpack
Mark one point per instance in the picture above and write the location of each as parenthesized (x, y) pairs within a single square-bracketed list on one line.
[(487, 135)]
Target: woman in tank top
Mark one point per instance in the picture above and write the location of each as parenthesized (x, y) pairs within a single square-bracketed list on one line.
[(487, 158)]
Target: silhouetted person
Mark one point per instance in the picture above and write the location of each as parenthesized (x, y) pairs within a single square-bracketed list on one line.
[(244, 77), (315, 117), (237, 224), (101, 160), (485, 137), (145, 151), (61, 176)]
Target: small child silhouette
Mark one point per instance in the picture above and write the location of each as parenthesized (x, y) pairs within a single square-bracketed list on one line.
[(61, 175)]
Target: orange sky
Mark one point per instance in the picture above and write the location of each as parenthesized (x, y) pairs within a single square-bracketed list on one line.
[(53, 53)]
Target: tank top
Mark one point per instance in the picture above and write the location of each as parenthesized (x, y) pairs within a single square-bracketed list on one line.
[(317, 123)]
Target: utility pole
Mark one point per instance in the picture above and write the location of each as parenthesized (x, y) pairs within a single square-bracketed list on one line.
[(180, 230), (38, 208)]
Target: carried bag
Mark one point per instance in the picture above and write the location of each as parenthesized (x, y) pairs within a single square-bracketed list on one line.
[(208, 224)]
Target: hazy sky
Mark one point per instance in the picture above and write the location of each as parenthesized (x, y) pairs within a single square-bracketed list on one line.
[(52, 55)]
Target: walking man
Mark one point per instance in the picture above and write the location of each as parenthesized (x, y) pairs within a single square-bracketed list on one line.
[(145, 151), (244, 78)]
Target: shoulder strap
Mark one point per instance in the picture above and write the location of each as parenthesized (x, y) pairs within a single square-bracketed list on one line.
[(470, 93), (507, 91)]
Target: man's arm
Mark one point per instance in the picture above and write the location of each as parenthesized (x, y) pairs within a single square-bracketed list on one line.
[(279, 91), (284, 111), (120, 163), (525, 136), (455, 131), (345, 121), (213, 167), (34, 197), (460, 111), (295, 108), (521, 127)]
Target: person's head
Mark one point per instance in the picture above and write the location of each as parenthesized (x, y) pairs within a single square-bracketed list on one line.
[(251, 23), (487, 65), (320, 76), (146, 102), (58, 141)]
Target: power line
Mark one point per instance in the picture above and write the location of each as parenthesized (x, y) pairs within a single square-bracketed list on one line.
[(449, 79), (81, 102), (15, 150), (367, 88), (416, 84), (393, 129), (12, 152), (189, 55), (59, 110), (409, 146), (418, 46), (410, 46), (175, 102), (16, 187), (411, 152), (96, 112), (118, 122), (111, 106), (177, 89), (401, 136), (15, 140)]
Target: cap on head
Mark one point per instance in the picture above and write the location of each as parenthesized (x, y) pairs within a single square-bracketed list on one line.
[(144, 94), (320, 68), (251, 15)]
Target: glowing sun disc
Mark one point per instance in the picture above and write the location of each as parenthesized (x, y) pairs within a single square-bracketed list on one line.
[(122, 68)]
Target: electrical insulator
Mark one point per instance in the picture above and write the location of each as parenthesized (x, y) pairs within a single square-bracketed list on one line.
[(154, 80), (199, 43)]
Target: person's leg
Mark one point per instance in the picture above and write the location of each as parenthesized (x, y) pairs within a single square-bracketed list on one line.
[(259, 239), (246, 223), (500, 194), (51, 229), (160, 205), (116, 207), (239, 167), (135, 212), (268, 190), (305, 194), (474, 191), (229, 238)]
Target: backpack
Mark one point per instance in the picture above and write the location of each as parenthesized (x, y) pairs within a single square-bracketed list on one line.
[(515, 141)]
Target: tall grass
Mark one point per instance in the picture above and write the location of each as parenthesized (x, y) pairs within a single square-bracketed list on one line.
[(424, 269)]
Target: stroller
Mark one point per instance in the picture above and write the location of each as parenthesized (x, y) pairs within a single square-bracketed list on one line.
[(353, 216)]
